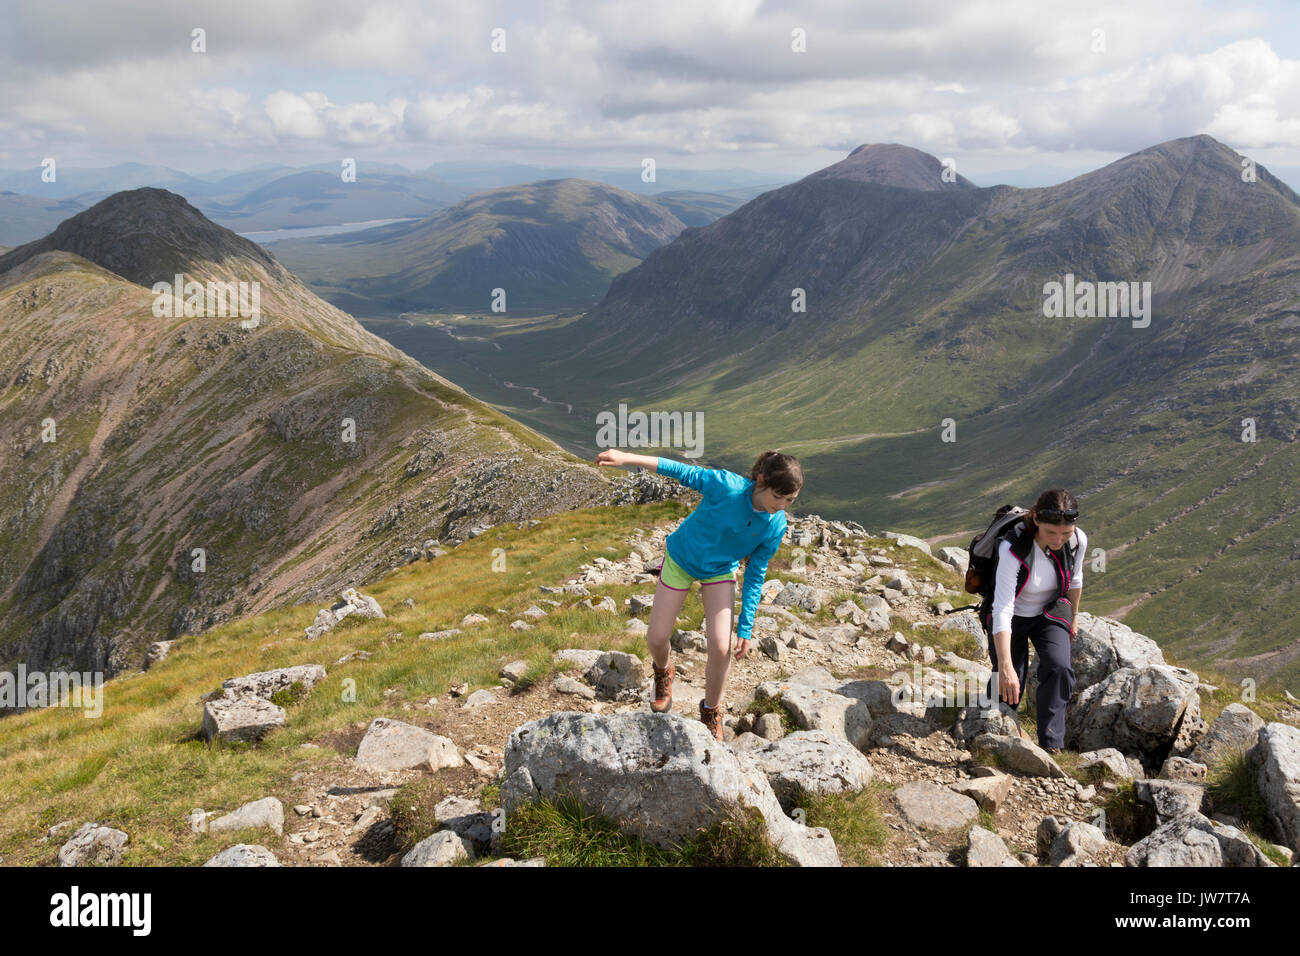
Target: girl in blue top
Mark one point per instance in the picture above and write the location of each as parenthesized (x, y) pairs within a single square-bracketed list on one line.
[(738, 518)]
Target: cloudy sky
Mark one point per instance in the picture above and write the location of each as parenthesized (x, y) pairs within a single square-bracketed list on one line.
[(1035, 87)]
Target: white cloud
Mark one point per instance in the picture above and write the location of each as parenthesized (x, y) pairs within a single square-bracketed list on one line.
[(1009, 77)]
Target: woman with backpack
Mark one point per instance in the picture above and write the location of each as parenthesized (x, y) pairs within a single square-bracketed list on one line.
[(1039, 581), (738, 518)]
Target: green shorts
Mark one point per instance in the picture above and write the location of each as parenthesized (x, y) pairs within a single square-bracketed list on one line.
[(672, 575)]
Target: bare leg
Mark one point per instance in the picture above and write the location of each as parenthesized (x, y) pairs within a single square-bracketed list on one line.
[(719, 601), (663, 617)]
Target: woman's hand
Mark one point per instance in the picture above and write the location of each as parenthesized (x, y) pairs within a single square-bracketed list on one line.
[(743, 649), (611, 456), (1008, 687)]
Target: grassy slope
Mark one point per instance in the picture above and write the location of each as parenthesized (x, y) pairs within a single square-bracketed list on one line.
[(141, 766)]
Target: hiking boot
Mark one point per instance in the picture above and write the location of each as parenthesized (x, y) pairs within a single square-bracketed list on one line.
[(663, 692), (712, 720)]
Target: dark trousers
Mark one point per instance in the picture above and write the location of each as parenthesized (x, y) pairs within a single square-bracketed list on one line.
[(1055, 674)]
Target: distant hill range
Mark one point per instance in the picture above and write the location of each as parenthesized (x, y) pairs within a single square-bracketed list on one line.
[(273, 196), (550, 245), (164, 473), (924, 319)]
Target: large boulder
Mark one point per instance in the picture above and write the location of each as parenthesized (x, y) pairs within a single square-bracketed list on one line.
[(1236, 729), (812, 708), (1276, 762), (240, 719), (812, 761), (350, 602), (265, 683), (659, 777), (1191, 840), (1101, 646), (394, 745), (93, 843), (1135, 710)]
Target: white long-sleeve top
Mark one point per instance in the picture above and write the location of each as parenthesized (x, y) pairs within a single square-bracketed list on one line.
[(1039, 588)]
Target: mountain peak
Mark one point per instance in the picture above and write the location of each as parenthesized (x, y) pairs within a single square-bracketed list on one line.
[(892, 164), (144, 235)]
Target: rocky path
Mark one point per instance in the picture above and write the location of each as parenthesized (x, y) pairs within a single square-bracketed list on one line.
[(851, 652)]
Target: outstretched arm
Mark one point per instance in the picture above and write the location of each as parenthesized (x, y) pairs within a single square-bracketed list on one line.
[(612, 456)]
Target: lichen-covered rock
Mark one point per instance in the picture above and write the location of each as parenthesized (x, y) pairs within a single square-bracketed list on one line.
[(659, 777)]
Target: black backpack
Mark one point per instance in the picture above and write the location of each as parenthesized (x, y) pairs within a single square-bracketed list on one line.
[(982, 566)]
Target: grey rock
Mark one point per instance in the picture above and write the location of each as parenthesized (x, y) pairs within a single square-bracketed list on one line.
[(1135, 710), (802, 595), (1235, 729), (267, 812), (1075, 843), (1192, 840), (907, 540), (1276, 763), (990, 792), (985, 848), (769, 727), (479, 698), (929, 806), (393, 745), (443, 848), (92, 843), (964, 621), (616, 676), (812, 708), (689, 641), (885, 728), (1169, 798), (246, 719), (244, 854), (565, 684), (1182, 768), (971, 722), (1108, 757), (583, 657), (515, 671), (1016, 753), (957, 558), (660, 777), (265, 683), (815, 762)]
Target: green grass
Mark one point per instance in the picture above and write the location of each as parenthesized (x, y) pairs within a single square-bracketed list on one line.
[(856, 821), (142, 767), (567, 834)]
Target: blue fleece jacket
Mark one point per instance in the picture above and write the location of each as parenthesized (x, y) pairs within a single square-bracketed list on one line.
[(722, 529)]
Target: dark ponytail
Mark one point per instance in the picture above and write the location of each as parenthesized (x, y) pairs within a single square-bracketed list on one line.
[(1057, 499), (781, 473)]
